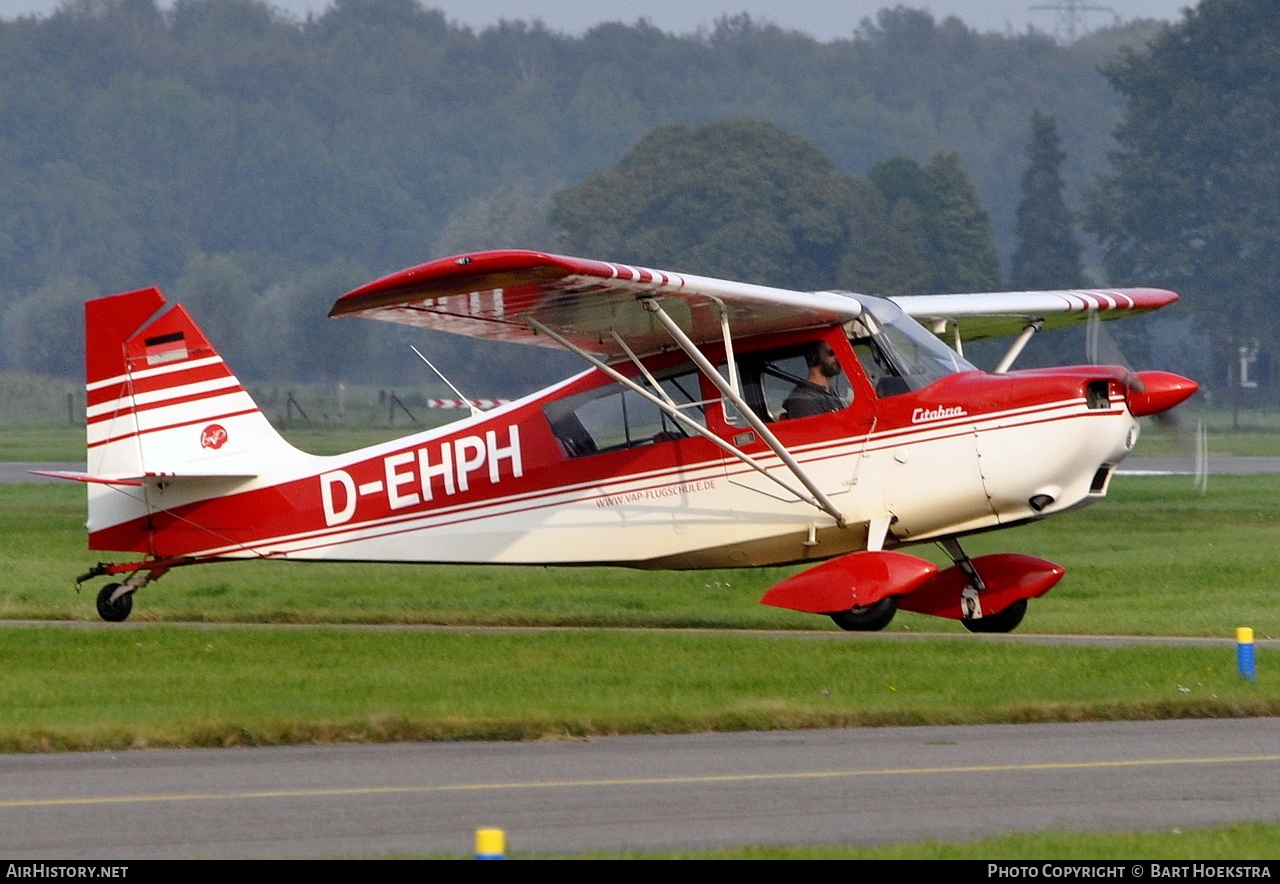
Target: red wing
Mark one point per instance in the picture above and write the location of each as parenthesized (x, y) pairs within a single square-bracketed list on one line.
[(493, 295)]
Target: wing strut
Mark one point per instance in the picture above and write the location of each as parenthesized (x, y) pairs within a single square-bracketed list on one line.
[(669, 408), (819, 499), (1015, 349), (729, 359)]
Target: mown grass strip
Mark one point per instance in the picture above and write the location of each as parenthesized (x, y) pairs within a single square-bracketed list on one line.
[(75, 689), (1242, 842)]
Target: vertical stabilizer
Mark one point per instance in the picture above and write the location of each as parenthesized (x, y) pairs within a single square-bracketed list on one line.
[(161, 402)]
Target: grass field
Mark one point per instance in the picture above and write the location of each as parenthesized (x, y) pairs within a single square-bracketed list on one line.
[(173, 686), (1155, 558)]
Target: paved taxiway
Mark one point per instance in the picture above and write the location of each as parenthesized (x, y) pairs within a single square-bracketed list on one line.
[(857, 786)]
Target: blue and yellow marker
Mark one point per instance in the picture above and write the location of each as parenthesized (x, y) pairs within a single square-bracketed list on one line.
[(1244, 654), (490, 844)]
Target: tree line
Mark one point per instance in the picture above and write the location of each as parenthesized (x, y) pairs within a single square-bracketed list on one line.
[(255, 165)]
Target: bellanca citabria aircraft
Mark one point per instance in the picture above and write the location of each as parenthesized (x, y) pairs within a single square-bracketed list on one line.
[(719, 424)]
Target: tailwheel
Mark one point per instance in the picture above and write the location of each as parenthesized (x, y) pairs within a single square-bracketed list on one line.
[(140, 574), (1005, 621), (114, 612), (867, 618)]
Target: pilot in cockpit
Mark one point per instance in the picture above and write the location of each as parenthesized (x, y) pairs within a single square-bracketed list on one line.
[(814, 395)]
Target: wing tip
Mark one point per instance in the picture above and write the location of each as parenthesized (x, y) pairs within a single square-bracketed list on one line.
[(455, 275)]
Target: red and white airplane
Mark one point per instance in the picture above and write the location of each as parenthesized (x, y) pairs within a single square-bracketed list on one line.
[(719, 425)]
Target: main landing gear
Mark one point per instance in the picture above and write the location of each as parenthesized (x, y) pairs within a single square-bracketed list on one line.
[(862, 591), (115, 600), (973, 618), (974, 596), (970, 598), (867, 618), (1005, 621)]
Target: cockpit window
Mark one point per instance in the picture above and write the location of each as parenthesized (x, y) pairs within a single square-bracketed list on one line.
[(614, 417), (897, 353), (775, 383)]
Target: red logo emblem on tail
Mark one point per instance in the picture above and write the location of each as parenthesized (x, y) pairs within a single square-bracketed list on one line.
[(213, 436)]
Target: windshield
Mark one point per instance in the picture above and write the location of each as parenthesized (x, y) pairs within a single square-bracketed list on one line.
[(912, 353)]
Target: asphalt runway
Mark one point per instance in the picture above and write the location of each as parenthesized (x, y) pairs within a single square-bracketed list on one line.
[(856, 786)]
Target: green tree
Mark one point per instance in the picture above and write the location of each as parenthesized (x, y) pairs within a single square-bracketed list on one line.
[(291, 335), (509, 218), (137, 135), (1193, 201), (887, 253), (960, 243), (901, 178), (738, 199), (219, 291), (59, 222), (941, 230), (1046, 253), (44, 331)]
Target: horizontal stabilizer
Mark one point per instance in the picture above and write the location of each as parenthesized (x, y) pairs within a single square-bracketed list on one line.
[(133, 480), (85, 477)]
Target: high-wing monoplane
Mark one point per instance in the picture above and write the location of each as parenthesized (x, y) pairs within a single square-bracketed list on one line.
[(717, 425)]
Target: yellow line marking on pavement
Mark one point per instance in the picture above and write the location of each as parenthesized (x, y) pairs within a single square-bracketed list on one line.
[(638, 781)]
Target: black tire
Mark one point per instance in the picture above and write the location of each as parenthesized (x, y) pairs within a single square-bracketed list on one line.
[(1005, 621), (869, 618), (114, 612)]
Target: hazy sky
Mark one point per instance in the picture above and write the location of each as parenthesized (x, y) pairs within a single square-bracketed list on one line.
[(821, 18)]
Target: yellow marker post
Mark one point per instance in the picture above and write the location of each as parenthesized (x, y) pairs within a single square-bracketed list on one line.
[(491, 844), (1244, 654)]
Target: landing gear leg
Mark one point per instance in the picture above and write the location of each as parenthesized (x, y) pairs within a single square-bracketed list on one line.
[(115, 600), (970, 598), (969, 601)]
